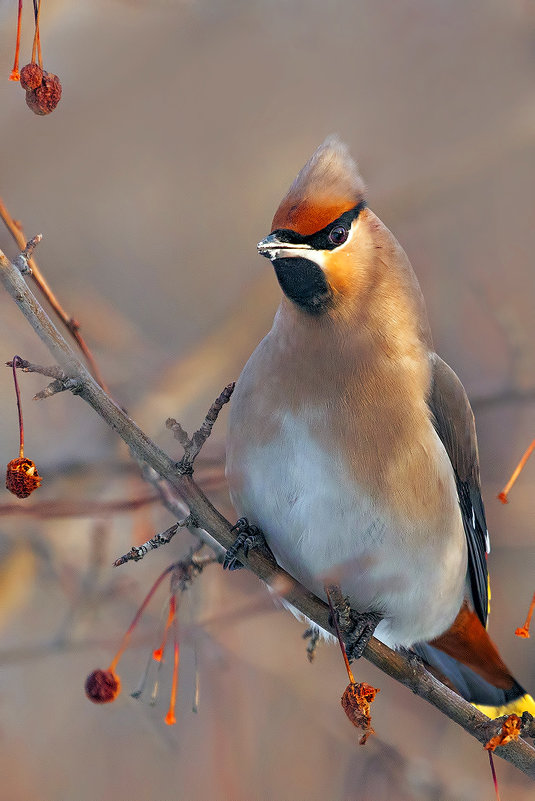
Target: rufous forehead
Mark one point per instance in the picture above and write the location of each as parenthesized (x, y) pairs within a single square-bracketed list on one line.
[(307, 216)]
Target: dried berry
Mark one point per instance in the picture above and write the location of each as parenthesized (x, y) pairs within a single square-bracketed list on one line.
[(356, 702), (22, 477), (31, 76), (102, 686), (45, 97), (510, 731)]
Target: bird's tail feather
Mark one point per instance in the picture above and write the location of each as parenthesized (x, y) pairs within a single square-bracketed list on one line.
[(492, 701)]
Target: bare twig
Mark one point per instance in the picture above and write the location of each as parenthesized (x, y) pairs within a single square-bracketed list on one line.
[(176, 506), (52, 372), (56, 386), (137, 552), (21, 261), (73, 326), (61, 381), (192, 447), (409, 672)]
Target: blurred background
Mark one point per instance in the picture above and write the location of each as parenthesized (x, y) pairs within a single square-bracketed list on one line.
[(181, 126)]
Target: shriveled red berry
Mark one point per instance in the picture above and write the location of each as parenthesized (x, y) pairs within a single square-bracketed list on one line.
[(22, 477), (45, 97), (102, 686), (31, 76), (356, 702)]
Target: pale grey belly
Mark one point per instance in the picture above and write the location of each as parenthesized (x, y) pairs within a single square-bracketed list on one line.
[(321, 526)]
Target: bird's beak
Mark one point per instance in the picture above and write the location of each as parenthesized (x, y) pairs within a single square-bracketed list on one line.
[(273, 248), (268, 246)]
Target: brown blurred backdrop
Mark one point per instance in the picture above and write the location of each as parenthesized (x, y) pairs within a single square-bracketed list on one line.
[(181, 126)]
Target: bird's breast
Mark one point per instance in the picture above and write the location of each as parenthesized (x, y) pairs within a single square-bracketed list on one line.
[(301, 497)]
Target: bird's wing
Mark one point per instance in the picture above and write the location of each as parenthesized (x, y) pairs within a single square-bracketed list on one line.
[(454, 422)]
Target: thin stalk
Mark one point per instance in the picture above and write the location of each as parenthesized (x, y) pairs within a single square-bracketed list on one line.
[(17, 359), (15, 74)]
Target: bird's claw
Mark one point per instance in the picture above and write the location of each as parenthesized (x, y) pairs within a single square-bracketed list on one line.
[(249, 537), (356, 628), (311, 634)]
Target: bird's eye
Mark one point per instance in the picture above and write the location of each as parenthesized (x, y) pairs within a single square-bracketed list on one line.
[(338, 235)]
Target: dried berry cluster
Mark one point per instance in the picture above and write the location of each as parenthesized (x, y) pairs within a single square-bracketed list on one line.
[(43, 89)]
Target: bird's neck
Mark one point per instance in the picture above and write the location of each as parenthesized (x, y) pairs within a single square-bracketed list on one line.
[(383, 334)]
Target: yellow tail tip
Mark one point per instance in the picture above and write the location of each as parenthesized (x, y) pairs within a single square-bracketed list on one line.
[(523, 704)]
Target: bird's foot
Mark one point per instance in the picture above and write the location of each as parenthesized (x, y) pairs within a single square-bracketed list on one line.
[(312, 634), (249, 537), (356, 628)]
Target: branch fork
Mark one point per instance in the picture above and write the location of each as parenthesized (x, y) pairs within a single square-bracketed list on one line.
[(192, 446), (62, 382)]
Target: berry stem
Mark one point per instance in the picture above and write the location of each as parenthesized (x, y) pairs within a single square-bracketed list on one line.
[(516, 472), (157, 654), (523, 631), (197, 687), (137, 616), (15, 74), (36, 49), (494, 777), (170, 718), (15, 361), (340, 638)]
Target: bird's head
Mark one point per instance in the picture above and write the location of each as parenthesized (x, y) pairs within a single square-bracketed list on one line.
[(318, 236)]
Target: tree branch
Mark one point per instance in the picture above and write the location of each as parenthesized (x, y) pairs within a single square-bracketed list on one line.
[(407, 670), (73, 326)]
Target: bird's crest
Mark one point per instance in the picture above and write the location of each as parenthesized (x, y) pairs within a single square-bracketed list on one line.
[(328, 185)]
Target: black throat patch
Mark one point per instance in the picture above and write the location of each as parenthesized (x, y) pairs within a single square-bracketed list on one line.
[(304, 283)]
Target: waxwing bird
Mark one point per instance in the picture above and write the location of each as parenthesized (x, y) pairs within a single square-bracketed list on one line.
[(352, 445)]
